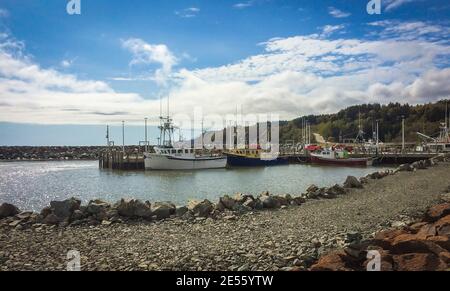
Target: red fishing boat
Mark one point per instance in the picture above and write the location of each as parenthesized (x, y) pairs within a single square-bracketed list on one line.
[(338, 158)]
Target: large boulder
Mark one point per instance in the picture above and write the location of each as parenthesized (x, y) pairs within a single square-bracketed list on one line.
[(240, 198), (419, 262), (249, 202), (51, 219), (227, 202), (7, 210), (312, 189), (437, 212), (337, 190), (284, 199), (201, 208), (64, 209), (443, 226), (258, 205), (134, 208), (241, 208), (181, 210), (298, 200), (419, 165), (352, 182), (405, 168), (334, 261), (269, 202), (97, 206), (163, 210)]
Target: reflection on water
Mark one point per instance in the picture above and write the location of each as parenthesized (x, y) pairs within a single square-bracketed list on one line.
[(32, 185)]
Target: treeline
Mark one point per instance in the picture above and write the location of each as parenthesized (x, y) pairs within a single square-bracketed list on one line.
[(425, 118)]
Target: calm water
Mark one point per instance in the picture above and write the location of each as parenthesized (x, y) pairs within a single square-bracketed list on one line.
[(32, 185)]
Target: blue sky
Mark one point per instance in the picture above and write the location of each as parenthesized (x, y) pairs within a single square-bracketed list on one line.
[(115, 60)]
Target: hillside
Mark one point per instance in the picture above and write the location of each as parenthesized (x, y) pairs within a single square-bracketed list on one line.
[(424, 118)]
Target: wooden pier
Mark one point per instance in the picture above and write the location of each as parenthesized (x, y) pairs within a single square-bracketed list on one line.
[(119, 160)]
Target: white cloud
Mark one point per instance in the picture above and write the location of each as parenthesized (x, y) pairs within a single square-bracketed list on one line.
[(30, 93), (338, 13), (67, 63), (306, 74), (145, 53), (188, 12), (327, 30), (243, 5), (410, 30), (394, 4)]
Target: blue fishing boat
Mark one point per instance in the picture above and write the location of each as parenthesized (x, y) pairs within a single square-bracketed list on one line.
[(253, 158)]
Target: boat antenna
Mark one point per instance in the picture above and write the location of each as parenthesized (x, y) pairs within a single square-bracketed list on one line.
[(168, 104), (446, 114), (160, 105)]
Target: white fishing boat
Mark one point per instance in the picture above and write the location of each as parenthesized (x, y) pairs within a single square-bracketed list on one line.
[(167, 157), (183, 159)]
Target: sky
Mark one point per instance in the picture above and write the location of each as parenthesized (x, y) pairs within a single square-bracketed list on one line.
[(64, 77)]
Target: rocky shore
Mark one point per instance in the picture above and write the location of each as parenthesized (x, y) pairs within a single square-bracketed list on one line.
[(268, 232), (420, 246)]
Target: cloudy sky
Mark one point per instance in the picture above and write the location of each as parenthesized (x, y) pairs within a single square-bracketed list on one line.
[(115, 60)]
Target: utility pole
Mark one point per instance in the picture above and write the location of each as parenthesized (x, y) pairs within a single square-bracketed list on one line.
[(146, 139), (378, 135), (123, 136), (403, 133), (107, 135)]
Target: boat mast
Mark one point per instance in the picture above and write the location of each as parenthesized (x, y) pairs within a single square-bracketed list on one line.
[(203, 135), (107, 135), (360, 136)]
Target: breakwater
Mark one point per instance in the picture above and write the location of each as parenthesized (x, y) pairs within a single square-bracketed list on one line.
[(44, 153)]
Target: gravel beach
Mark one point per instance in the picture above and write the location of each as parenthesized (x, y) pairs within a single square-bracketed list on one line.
[(285, 239)]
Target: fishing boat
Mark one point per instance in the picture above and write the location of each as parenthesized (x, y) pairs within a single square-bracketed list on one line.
[(167, 157), (441, 144), (338, 158), (253, 158)]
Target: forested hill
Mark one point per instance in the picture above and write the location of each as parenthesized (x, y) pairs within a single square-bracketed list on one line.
[(424, 118)]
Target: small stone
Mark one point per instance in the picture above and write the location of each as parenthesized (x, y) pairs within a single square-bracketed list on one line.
[(15, 223), (106, 222), (398, 224)]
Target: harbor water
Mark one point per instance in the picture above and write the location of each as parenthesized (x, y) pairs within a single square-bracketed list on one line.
[(32, 185)]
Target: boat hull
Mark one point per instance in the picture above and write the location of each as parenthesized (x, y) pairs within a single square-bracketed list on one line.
[(164, 162), (351, 162), (241, 161)]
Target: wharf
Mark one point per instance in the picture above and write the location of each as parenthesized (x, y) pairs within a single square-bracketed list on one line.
[(119, 160)]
